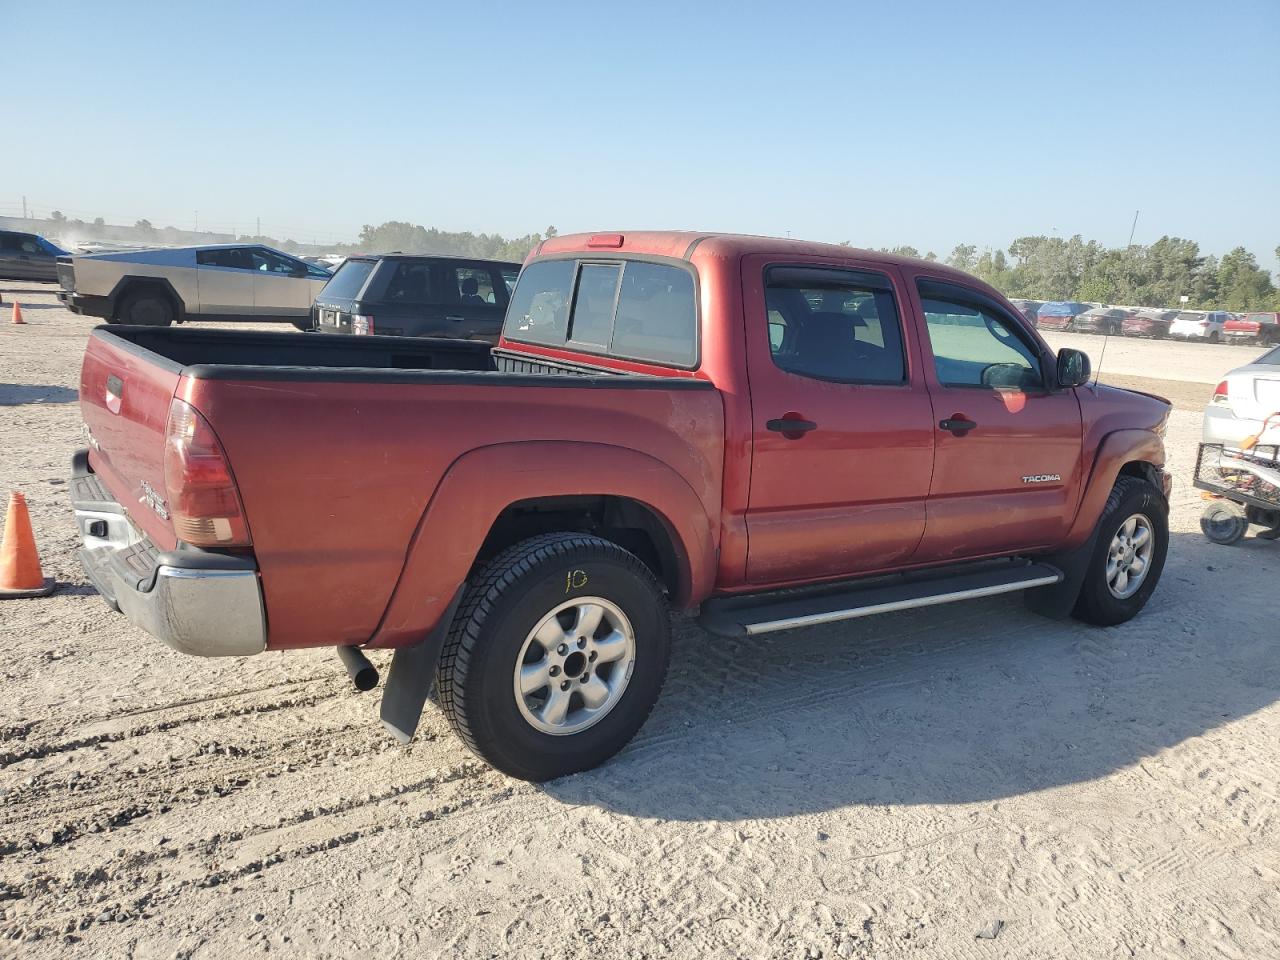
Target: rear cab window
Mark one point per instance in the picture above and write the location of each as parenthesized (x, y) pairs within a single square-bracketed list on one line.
[(642, 310)]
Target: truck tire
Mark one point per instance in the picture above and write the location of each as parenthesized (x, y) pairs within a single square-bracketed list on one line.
[(1133, 540), (147, 306), (1224, 522), (556, 655)]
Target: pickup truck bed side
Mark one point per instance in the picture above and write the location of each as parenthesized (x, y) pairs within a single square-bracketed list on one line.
[(329, 563)]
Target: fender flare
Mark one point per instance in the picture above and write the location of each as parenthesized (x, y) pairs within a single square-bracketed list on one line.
[(113, 298), (482, 483), (1116, 449)]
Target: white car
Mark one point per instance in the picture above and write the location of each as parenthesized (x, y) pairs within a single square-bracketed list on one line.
[(220, 282), (1201, 325), (1244, 398)]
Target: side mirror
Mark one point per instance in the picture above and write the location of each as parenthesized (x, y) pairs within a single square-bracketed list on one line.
[(1073, 367)]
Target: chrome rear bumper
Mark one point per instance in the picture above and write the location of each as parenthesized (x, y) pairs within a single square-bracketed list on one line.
[(201, 603)]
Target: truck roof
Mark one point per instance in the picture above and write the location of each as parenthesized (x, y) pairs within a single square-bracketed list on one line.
[(681, 244)]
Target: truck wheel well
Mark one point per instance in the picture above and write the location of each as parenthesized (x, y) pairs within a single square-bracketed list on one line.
[(1142, 470), (628, 523), (130, 285)]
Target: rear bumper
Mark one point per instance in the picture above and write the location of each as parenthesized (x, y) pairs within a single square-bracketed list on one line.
[(86, 305), (206, 604)]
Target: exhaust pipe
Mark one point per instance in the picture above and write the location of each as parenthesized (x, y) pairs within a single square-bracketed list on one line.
[(363, 673)]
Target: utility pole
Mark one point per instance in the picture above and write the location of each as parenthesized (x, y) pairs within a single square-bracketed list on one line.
[(258, 226), (1134, 227), (24, 208)]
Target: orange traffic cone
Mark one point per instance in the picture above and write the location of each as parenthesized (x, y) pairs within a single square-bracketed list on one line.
[(17, 313), (20, 573)]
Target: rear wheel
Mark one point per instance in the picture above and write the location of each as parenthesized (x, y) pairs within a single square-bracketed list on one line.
[(556, 656), (1223, 522), (1128, 558), (148, 306)]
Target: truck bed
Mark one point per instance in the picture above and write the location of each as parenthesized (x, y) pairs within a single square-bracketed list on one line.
[(339, 444)]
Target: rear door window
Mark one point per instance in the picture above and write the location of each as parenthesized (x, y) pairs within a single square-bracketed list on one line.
[(229, 258), (837, 325), (631, 309), (411, 283), (469, 286)]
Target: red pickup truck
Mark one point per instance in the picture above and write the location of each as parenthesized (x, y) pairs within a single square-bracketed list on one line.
[(770, 432)]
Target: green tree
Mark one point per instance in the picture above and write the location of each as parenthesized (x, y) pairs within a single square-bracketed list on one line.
[(1241, 283), (58, 217), (964, 256)]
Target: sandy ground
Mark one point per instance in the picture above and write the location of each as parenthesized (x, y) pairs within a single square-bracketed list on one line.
[(889, 787)]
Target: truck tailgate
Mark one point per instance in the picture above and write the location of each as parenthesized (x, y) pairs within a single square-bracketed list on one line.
[(125, 394)]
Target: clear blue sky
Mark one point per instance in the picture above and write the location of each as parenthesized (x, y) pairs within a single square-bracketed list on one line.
[(912, 123)]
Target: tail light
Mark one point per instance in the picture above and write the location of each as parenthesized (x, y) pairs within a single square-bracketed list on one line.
[(361, 325), (203, 501), (1220, 393)]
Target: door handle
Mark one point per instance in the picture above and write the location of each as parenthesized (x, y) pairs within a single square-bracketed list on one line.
[(958, 424), (456, 319), (791, 427)]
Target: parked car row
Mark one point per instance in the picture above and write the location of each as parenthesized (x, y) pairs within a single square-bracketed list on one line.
[(1209, 326)]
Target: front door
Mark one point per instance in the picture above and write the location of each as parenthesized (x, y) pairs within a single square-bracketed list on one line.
[(1006, 473), (281, 290), (842, 429)]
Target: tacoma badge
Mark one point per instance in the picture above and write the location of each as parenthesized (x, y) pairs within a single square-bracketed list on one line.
[(1042, 478)]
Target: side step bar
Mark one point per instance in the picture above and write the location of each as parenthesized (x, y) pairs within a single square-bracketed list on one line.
[(748, 616)]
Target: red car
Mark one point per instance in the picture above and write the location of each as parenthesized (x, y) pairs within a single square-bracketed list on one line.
[(772, 433), (1253, 328), (1148, 323)]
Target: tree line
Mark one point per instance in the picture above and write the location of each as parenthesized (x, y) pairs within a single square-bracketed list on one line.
[(1151, 275), (1037, 267)]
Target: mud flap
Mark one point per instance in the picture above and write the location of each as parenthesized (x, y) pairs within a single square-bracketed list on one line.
[(413, 671), (1057, 602)]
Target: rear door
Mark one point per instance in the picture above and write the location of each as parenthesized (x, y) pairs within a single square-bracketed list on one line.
[(842, 428), (473, 297), (225, 281), (1006, 469)]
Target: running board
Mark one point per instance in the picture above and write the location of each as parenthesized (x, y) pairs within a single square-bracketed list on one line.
[(748, 616)]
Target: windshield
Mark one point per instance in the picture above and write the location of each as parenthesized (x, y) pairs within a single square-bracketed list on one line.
[(1194, 317), (51, 247), (348, 281), (1260, 317)]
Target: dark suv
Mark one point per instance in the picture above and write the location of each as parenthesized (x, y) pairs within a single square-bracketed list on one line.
[(27, 256), (410, 296)]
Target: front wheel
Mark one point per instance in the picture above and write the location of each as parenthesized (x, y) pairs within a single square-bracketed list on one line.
[(148, 307), (556, 656), (1133, 540)]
